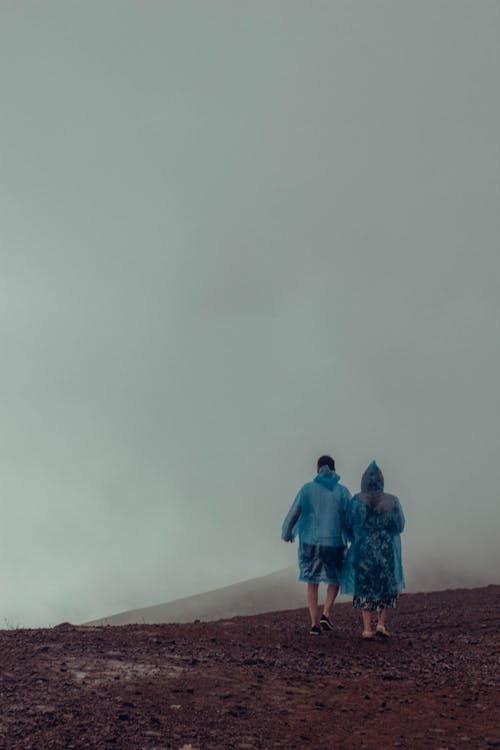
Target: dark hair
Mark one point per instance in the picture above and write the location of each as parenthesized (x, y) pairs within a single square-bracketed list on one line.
[(326, 461)]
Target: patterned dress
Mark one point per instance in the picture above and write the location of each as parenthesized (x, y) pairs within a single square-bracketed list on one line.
[(373, 570), (374, 580)]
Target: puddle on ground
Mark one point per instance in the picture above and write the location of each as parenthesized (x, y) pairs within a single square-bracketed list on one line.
[(99, 671)]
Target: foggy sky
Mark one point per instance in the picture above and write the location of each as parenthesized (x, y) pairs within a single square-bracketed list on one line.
[(234, 236)]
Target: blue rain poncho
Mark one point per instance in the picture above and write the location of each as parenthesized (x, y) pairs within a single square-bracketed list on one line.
[(318, 516), (373, 570)]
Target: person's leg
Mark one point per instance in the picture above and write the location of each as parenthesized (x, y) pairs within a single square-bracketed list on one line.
[(312, 603), (367, 620), (331, 594), (381, 617), (381, 629)]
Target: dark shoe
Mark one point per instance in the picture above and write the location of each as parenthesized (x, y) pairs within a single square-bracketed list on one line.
[(325, 622), (315, 630)]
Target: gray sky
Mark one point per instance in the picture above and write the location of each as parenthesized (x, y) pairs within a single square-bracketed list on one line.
[(235, 235)]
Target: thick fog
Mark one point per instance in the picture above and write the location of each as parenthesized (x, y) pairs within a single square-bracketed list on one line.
[(234, 236)]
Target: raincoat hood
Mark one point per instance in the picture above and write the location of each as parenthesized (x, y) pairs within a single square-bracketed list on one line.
[(327, 478), (372, 481)]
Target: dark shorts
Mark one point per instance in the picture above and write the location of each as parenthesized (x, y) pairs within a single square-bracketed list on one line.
[(320, 564)]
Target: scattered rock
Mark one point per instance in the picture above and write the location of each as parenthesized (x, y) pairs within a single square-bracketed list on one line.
[(58, 687)]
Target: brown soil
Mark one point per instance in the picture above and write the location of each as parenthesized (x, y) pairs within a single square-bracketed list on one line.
[(260, 682)]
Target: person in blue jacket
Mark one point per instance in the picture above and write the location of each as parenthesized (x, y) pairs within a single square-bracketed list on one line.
[(373, 570), (318, 516)]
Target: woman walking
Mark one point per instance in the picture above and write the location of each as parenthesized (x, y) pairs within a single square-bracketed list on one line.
[(373, 570)]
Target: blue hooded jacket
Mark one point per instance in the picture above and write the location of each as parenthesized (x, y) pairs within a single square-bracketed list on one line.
[(318, 515), (389, 519)]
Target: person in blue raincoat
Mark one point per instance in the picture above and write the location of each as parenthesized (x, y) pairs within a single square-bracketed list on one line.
[(373, 570), (318, 516)]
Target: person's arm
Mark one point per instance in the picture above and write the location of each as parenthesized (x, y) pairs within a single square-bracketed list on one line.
[(347, 534), (398, 518), (289, 528)]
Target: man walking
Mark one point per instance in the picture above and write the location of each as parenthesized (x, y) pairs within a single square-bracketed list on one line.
[(318, 515)]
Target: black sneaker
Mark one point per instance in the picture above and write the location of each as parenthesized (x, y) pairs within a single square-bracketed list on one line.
[(315, 630), (325, 622)]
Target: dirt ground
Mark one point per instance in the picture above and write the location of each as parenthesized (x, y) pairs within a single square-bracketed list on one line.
[(260, 682)]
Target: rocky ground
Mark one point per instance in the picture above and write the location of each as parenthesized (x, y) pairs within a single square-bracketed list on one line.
[(260, 682)]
